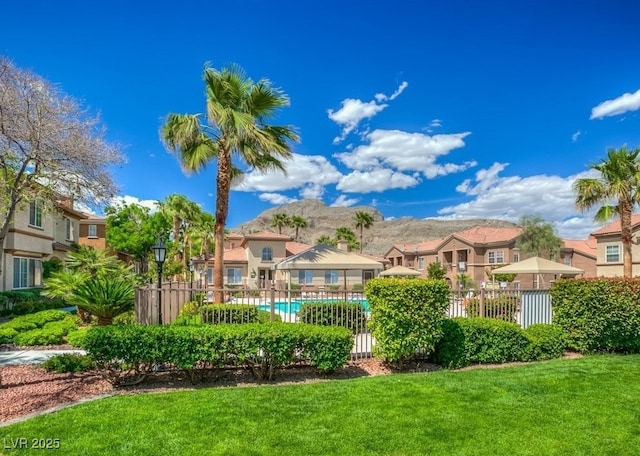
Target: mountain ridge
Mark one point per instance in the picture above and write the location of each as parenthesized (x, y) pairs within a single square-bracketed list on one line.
[(323, 220)]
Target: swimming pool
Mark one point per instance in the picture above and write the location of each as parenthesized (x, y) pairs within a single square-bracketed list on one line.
[(294, 306)]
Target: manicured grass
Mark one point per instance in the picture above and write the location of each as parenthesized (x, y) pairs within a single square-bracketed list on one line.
[(585, 406)]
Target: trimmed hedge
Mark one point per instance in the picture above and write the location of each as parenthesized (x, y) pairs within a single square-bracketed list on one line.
[(340, 313), (76, 338), (47, 327), (406, 316), (23, 302), (233, 313), (598, 315), (545, 342), (69, 362), (130, 353), (480, 340), (52, 333)]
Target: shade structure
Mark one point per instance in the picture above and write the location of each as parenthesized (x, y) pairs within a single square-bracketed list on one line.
[(399, 271), (537, 265), (324, 256)]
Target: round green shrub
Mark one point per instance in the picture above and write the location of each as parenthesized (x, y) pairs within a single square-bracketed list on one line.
[(19, 324), (7, 335), (545, 341), (126, 318), (77, 337), (43, 317), (69, 362), (39, 337), (345, 314)]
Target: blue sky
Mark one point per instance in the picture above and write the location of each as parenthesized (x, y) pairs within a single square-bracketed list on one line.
[(423, 108)]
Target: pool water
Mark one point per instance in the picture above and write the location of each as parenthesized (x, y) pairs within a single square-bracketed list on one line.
[(294, 306)]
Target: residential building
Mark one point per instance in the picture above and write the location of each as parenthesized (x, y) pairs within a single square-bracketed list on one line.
[(36, 235), (580, 253), (93, 231), (609, 251), (249, 261)]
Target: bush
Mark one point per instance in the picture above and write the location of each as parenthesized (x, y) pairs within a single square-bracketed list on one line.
[(7, 335), (501, 308), (39, 337), (123, 353), (545, 342), (77, 337), (406, 316), (69, 362), (480, 340), (598, 315), (43, 317), (20, 324), (341, 313), (229, 313), (126, 318), (23, 302)]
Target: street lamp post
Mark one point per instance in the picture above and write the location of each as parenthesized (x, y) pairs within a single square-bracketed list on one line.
[(159, 254), (192, 267), (201, 272)]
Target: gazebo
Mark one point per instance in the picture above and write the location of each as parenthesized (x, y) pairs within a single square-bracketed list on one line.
[(400, 271)]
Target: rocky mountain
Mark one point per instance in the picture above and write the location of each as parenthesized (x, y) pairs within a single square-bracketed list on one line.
[(323, 220)]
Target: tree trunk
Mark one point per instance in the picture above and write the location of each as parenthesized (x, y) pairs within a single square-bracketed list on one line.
[(223, 186), (626, 234)]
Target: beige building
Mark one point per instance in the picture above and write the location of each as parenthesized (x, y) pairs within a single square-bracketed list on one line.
[(252, 261), (609, 254), (478, 250), (36, 235)]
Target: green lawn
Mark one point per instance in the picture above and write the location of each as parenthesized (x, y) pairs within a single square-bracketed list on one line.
[(587, 406)]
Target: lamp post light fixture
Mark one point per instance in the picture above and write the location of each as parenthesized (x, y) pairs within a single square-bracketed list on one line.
[(201, 274), (159, 254)]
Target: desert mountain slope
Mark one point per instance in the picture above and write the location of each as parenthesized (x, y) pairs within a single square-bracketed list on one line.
[(323, 220)]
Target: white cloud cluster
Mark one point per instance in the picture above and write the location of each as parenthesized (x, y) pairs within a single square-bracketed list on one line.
[(375, 180), (509, 198), (276, 198), (624, 103), (344, 201), (353, 111), (575, 136), (119, 201)]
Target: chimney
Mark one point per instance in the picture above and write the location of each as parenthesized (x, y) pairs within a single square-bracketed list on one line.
[(343, 245)]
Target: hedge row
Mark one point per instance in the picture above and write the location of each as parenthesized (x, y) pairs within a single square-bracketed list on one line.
[(489, 341), (195, 313), (42, 328), (23, 302), (130, 353), (341, 313), (598, 314)]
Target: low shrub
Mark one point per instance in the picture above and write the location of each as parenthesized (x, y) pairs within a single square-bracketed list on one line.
[(501, 308), (23, 302), (129, 353), (480, 340), (39, 337), (20, 324), (45, 316), (341, 313), (7, 335), (69, 363), (545, 342), (126, 318), (77, 337), (233, 314)]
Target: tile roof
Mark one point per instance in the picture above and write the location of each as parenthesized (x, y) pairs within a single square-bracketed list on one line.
[(265, 236), (614, 227), (237, 255), (293, 248), (424, 246), (585, 246), (488, 235)]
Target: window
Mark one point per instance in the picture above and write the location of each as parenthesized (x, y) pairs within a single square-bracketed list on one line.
[(234, 276), (305, 277), (567, 260), (69, 229), (495, 256), (420, 263), (267, 254), (93, 231), (612, 254), (331, 277), (35, 214), (516, 256), (27, 272)]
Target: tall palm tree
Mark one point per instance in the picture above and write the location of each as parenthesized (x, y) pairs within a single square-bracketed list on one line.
[(363, 220), (182, 212), (324, 239), (345, 234), (298, 222), (234, 126), (280, 220), (618, 189)]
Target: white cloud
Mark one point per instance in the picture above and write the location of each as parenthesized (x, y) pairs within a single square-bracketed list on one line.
[(312, 191), (575, 136), (119, 201), (301, 169), (276, 198), (376, 180), (344, 201), (624, 103), (404, 151), (509, 198), (353, 111)]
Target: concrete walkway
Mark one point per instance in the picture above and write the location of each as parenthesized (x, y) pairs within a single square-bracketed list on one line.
[(12, 358)]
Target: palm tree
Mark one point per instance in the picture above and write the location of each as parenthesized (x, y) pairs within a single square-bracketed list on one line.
[(105, 297), (182, 212), (280, 220), (618, 189), (298, 222), (345, 234), (235, 126), (326, 240), (364, 220)]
